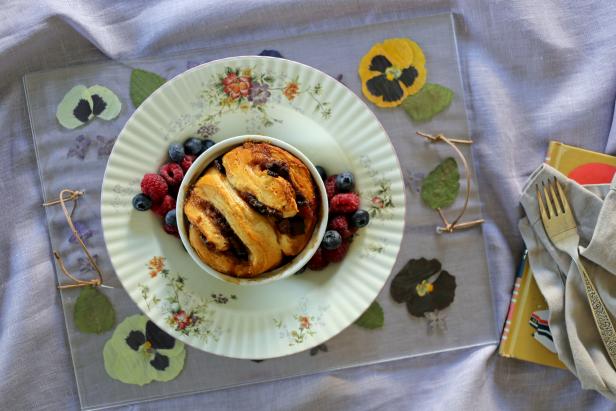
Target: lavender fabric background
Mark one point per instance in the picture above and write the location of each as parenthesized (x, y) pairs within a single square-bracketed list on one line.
[(533, 71)]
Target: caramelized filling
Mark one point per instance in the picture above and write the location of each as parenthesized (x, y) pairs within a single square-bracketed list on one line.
[(301, 201), (258, 206), (238, 248), (211, 246), (219, 166), (293, 226), (276, 168)]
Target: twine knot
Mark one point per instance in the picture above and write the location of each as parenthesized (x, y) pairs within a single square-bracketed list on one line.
[(73, 195), (455, 224)]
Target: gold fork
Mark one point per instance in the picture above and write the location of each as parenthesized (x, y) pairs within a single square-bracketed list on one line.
[(561, 229)]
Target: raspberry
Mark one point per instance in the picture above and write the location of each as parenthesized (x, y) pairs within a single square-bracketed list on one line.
[(154, 186), (330, 186), (187, 162), (341, 224), (344, 203), (165, 206), (171, 229), (337, 255), (318, 261), (172, 173)]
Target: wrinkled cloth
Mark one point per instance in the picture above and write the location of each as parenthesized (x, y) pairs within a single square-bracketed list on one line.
[(575, 334), (532, 71)]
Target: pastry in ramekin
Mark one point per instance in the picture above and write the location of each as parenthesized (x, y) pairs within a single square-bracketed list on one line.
[(251, 210)]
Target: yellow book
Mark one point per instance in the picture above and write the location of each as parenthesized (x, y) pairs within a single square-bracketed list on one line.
[(526, 334)]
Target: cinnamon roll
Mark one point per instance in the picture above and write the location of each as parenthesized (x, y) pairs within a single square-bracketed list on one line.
[(251, 210)]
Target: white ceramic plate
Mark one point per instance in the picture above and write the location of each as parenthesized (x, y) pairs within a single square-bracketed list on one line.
[(285, 100)]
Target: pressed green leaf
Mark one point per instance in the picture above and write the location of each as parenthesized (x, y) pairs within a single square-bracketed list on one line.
[(142, 84), (93, 312), (441, 187), (428, 102), (372, 318)]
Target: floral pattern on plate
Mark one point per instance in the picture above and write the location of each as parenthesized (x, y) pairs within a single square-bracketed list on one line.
[(250, 91), (185, 312), (380, 197), (305, 324), (373, 248), (123, 194)]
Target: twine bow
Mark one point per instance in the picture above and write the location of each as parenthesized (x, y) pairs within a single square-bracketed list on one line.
[(73, 195), (455, 224)]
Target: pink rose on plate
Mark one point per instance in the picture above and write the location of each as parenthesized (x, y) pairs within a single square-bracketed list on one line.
[(237, 86), (378, 201)]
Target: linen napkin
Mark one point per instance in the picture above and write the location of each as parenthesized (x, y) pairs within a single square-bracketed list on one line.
[(575, 335)]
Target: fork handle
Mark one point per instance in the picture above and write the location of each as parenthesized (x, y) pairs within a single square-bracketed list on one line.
[(600, 314)]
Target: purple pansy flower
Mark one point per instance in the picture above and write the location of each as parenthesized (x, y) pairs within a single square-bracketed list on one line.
[(105, 145), (315, 350), (271, 53), (80, 148), (84, 232), (414, 180), (437, 321), (84, 264), (259, 93)]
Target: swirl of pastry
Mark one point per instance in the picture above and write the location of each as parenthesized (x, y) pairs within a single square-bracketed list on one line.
[(253, 230), (295, 239), (254, 207), (282, 184), (251, 169)]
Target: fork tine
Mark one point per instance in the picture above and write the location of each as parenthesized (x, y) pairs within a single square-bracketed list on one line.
[(548, 200), (542, 210), (563, 197), (557, 204)]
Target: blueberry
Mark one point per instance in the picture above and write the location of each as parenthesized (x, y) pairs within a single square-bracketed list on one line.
[(193, 146), (360, 219), (345, 182), (321, 172), (141, 202), (271, 53), (206, 144), (170, 218), (176, 152), (331, 240)]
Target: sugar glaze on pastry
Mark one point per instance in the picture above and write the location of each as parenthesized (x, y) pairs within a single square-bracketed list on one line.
[(252, 210)]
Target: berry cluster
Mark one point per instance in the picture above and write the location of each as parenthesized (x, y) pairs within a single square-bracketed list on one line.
[(159, 191), (345, 218)]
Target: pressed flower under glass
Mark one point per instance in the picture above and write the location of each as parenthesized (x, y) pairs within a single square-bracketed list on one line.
[(423, 286)]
